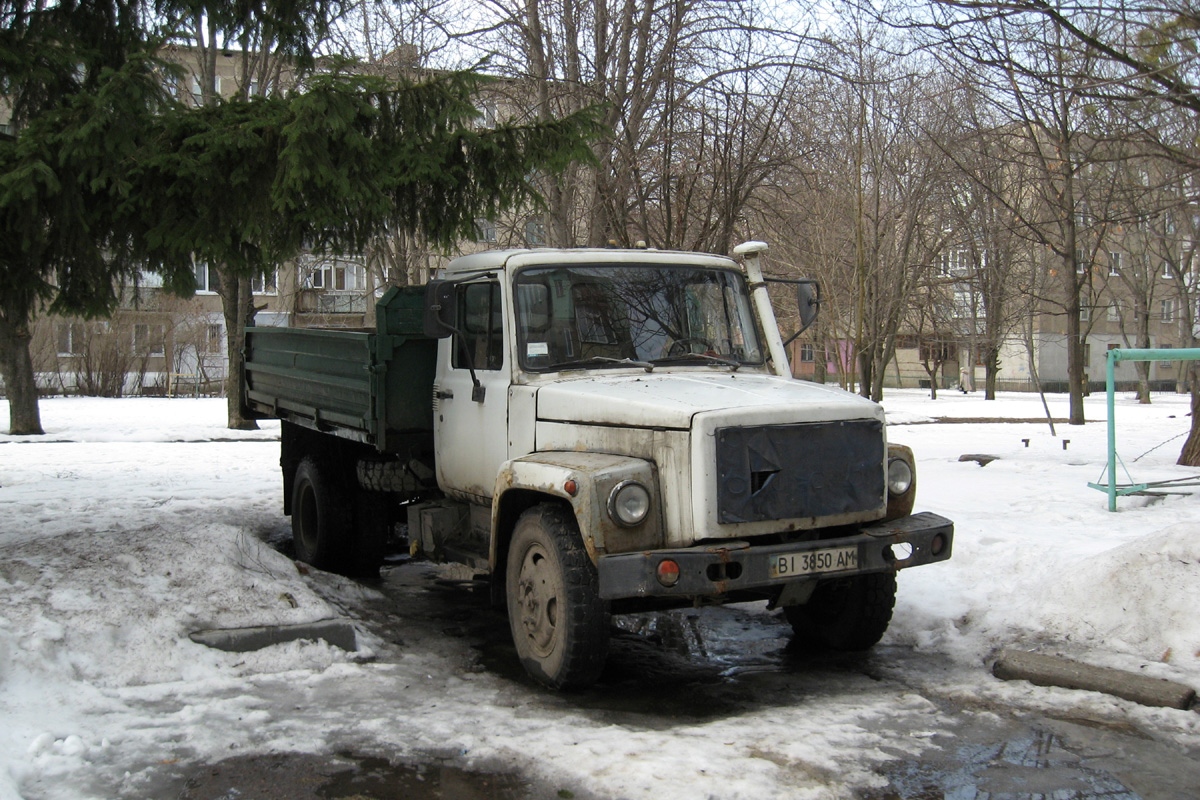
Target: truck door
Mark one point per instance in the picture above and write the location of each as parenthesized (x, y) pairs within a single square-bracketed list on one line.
[(471, 425)]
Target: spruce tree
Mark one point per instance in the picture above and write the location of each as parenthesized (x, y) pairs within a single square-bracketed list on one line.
[(105, 175)]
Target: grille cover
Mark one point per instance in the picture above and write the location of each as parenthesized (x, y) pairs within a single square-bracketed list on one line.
[(815, 469)]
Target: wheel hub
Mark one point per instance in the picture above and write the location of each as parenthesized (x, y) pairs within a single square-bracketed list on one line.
[(538, 601)]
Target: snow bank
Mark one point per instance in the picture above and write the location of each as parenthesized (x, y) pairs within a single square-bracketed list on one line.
[(134, 522)]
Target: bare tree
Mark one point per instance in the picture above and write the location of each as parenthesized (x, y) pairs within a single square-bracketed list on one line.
[(694, 92), (898, 182), (1048, 137), (1138, 56)]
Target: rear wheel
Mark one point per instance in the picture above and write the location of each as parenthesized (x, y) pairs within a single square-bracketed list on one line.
[(845, 613), (321, 519), (559, 623)]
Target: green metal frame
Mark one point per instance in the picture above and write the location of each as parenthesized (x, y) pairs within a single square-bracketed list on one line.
[(1114, 356)]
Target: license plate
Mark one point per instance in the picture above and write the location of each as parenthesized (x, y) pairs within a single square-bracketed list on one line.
[(833, 559)]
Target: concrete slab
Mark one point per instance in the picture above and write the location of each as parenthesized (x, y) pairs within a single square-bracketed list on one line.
[(336, 632), (1047, 670)]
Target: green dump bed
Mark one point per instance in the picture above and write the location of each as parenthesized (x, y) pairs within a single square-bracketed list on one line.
[(374, 387)]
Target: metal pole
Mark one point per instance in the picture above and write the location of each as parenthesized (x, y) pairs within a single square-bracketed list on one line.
[(1110, 382)]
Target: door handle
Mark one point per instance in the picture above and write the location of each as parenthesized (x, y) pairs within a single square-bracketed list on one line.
[(443, 394)]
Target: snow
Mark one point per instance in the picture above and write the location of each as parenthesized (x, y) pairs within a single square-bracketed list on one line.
[(134, 522)]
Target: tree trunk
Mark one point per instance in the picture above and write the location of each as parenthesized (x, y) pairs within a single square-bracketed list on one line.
[(865, 363), (1143, 342), (16, 366), (238, 308), (992, 371), (1190, 455), (1075, 366)]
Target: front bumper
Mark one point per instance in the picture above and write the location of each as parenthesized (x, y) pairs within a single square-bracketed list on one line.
[(716, 569)]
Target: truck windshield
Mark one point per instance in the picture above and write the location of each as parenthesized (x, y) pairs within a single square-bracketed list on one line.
[(591, 317)]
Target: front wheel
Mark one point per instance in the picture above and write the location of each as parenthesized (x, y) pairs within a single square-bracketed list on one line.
[(845, 613), (559, 623)]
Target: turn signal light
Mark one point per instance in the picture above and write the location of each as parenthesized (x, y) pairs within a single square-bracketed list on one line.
[(668, 572)]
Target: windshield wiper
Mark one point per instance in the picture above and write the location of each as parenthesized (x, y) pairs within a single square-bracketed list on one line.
[(583, 362), (729, 362)]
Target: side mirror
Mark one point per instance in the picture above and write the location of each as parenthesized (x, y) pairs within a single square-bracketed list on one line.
[(438, 322), (808, 298)]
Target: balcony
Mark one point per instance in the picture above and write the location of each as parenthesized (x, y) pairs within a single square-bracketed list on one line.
[(322, 301)]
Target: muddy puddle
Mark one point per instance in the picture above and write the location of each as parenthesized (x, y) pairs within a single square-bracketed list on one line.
[(298, 776), (1040, 758), (693, 665), (696, 664)]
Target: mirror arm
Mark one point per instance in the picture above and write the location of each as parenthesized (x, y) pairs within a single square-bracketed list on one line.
[(477, 390)]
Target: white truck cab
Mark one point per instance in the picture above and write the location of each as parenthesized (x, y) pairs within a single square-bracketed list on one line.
[(618, 430)]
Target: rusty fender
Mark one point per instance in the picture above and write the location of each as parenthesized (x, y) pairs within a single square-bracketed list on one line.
[(593, 476)]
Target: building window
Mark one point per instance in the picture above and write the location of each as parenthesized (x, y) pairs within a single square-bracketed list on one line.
[(1167, 308), (806, 353), (485, 231), (535, 232), (956, 261), (931, 350), (1114, 263), (337, 276), (198, 92), (264, 283), (215, 338), (71, 338), (1114, 312), (1166, 364), (148, 339), (207, 280), (1085, 313), (1080, 262), (1166, 269), (486, 117)]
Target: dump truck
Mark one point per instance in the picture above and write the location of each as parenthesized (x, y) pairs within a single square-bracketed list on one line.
[(596, 432)]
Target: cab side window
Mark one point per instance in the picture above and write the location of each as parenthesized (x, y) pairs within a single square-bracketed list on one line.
[(480, 341)]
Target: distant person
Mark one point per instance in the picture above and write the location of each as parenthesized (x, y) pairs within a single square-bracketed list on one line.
[(965, 383)]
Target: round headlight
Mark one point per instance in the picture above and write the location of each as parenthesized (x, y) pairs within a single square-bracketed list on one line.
[(900, 476), (629, 503)]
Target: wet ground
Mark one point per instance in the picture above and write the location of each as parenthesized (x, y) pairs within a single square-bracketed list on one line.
[(299, 776), (674, 668)]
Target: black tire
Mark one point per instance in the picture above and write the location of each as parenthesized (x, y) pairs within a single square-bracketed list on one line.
[(387, 476), (559, 623), (321, 519), (845, 613)]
